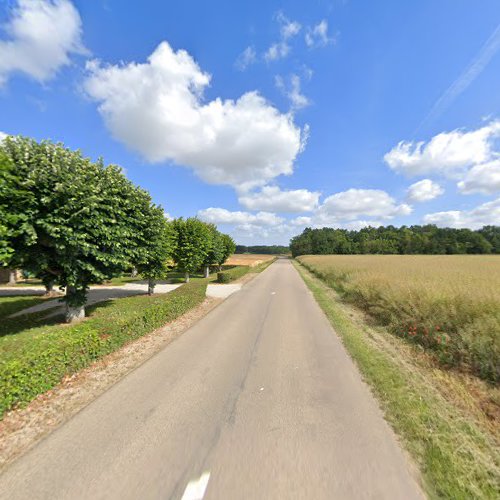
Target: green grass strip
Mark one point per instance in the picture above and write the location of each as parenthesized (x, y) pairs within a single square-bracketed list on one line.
[(457, 460)]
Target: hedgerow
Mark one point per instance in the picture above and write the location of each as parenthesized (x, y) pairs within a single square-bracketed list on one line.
[(37, 359), (232, 274)]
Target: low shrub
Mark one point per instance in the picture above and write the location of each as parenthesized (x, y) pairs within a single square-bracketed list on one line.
[(35, 360), (232, 274)]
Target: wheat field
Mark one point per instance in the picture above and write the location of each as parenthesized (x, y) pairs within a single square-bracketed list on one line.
[(447, 303)]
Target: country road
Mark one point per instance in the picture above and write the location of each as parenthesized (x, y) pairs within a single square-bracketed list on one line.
[(258, 400)]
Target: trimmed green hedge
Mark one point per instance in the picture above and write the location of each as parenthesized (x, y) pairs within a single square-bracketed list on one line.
[(232, 274), (35, 360)]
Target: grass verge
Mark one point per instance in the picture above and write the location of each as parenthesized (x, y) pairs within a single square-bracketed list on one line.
[(232, 274), (11, 305), (457, 457), (35, 359)]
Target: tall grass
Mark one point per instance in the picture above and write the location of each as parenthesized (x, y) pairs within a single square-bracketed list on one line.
[(447, 304)]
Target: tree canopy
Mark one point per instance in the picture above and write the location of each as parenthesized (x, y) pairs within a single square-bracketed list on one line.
[(427, 239)]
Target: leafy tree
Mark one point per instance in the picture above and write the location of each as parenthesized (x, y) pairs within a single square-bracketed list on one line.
[(427, 239), (78, 218), (14, 215), (156, 246), (192, 246), (215, 249), (228, 248)]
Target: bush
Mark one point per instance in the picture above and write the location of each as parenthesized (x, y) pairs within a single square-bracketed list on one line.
[(35, 360), (232, 274)]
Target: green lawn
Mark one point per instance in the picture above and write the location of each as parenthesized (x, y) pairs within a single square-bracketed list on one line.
[(459, 457), (11, 305)]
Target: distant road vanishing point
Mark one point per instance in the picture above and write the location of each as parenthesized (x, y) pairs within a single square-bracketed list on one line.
[(258, 400)]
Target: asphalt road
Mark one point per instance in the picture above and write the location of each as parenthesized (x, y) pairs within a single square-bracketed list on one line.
[(257, 401)]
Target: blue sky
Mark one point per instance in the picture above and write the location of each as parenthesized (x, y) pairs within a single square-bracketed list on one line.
[(266, 117)]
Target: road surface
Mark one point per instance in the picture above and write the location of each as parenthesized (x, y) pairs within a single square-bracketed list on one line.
[(257, 401)]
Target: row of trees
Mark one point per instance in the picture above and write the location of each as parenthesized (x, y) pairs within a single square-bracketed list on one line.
[(73, 222), (263, 249), (427, 239)]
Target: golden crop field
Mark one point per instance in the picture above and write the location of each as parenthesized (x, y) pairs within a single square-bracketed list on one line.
[(247, 259), (447, 303)]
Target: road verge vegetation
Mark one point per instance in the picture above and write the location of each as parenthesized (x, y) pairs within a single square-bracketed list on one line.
[(232, 274), (37, 358), (448, 305), (453, 442)]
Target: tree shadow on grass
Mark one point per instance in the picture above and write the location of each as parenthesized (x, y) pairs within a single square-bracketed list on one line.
[(24, 322)]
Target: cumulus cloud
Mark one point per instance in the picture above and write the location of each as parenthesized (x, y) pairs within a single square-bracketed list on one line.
[(41, 37), (292, 91), (246, 58), (483, 215), (157, 109), (2, 136), (317, 36), (484, 179), (223, 216), (272, 198), (288, 30), (354, 203), (449, 153), (424, 190)]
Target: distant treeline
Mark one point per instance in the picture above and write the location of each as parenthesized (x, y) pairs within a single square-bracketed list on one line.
[(263, 249), (427, 239)]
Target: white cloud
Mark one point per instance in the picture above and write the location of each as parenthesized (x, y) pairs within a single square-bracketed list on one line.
[(157, 109), (293, 91), (272, 198), (277, 51), (2, 136), (424, 190), (288, 29), (354, 203), (448, 153), (317, 36), (246, 58), (301, 221), (223, 216), (42, 35), (483, 215), (484, 178)]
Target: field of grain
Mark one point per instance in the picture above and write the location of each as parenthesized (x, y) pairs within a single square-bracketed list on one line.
[(447, 304), (247, 259)]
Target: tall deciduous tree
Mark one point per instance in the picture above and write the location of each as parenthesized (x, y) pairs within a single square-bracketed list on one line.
[(155, 250), (192, 246), (14, 212), (78, 218), (228, 247), (216, 248)]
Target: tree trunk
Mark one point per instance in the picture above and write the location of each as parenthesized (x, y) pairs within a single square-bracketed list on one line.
[(134, 272), (206, 274), (12, 277), (49, 289), (73, 313), (151, 287), (187, 277)]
